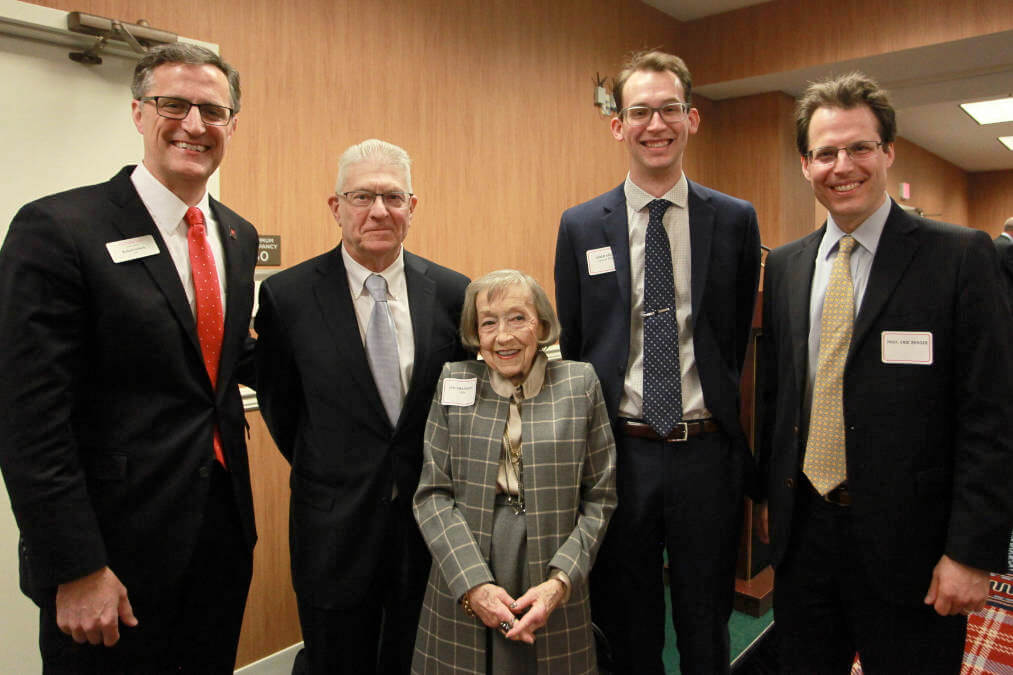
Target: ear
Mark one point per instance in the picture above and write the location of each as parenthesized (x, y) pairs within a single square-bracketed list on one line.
[(231, 128), (693, 120), (805, 167), (888, 151), (136, 108), (616, 125), (412, 204), (333, 202)]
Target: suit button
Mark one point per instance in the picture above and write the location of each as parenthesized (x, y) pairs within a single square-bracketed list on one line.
[(790, 483), (795, 429), (204, 471)]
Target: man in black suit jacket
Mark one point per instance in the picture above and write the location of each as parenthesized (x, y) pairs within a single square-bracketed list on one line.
[(888, 562), (136, 541), (359, 564), (1004, 246), (682, 491)]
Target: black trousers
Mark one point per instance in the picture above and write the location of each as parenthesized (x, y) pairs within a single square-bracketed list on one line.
[(377, 636), (189, 626), (825, 609), (687, 498)]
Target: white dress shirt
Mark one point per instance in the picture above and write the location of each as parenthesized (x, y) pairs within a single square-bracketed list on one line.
[(676, 222), (168, 210), (397, 302)]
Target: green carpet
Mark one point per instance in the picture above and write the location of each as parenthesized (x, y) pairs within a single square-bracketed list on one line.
[(742, 631)]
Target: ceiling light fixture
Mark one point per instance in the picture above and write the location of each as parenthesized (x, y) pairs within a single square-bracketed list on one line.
[(1007, 141), (990, 112)]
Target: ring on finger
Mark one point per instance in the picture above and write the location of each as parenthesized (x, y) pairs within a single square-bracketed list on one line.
[(505, 626)]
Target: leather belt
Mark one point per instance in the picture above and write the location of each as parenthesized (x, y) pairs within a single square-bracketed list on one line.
[(681, 432), (839, 495)]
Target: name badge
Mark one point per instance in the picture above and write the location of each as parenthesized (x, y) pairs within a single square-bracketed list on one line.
[(600, 261), (459, 392), (132, 249), (907, 347)]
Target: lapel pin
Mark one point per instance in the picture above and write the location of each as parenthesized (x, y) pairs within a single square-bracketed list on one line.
[(232, 233)]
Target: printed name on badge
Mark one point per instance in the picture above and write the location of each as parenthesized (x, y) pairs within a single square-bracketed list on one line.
[(132, 249), (907, 347), (459, 392), (600, 261)]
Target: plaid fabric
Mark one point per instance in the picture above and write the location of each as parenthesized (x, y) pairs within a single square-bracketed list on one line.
[(989, 647)]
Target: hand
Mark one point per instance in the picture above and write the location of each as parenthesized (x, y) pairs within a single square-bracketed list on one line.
[(957, 588), (491, 604), (89, 609), (539, 601), (761, 522)]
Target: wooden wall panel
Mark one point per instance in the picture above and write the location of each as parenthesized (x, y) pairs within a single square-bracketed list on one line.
[(938, 187), (990, 200), (786, 35)]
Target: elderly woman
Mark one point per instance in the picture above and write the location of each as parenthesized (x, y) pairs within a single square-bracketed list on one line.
[(517, 488)]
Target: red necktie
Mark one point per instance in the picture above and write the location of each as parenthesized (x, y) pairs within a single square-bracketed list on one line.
[(208, 297)]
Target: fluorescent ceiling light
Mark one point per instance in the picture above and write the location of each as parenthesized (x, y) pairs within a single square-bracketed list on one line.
[(1007, 141), (990, 112)]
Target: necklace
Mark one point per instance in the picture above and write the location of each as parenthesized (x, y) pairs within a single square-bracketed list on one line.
[(514, 452)]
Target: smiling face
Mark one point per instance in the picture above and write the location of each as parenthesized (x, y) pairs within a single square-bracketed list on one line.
[(373, 235), (851, 190), (508, 331), (656, 148), (182, 154)]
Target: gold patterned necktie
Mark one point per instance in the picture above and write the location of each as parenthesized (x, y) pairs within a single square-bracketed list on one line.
[(825, 460)]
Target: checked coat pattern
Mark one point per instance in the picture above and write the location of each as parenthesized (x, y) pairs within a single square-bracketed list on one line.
[(569, 488)]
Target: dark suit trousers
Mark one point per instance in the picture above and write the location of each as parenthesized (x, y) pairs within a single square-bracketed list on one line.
[(377, 636), (686, 498), (825, 609), (191, 626)]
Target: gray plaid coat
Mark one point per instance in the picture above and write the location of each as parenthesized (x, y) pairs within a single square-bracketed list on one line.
[(569, 490)]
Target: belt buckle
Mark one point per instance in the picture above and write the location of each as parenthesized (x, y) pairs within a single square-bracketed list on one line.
[(685, 433)]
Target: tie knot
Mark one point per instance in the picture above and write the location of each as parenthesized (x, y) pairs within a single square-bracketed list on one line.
[(194, 216), (846, 245), (656, 209), (377, 287)]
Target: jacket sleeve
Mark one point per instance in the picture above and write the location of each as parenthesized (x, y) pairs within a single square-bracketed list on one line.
[(441, 522), (597, 491), (279, 390), (44, 319), (567, 278)]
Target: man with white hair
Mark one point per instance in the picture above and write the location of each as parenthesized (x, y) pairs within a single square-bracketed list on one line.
[(350, 346)]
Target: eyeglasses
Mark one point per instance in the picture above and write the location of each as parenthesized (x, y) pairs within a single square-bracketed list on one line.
[(364, 198), (639, 115), (174, 108), (827, 155)]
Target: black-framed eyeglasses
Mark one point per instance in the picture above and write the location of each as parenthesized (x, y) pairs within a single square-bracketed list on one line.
[(828, 154), (174, 108), (639, 115), (365, 198)]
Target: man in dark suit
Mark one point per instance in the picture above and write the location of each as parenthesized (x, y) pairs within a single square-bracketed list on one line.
[(886, 409), (349, 414), (682, 464), (124, 330)]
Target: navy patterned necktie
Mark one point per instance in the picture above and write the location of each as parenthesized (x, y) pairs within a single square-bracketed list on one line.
[(662, 375)]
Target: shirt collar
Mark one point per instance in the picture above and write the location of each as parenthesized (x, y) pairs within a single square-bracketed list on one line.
[(532, 384), (867, 234), (638, 198), (357, 275), (166, 209)]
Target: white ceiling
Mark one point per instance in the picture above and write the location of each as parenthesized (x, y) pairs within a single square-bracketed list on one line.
[(926, 85)]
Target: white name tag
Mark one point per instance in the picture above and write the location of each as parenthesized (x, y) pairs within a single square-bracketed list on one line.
[(458, 392), (132, 249), (600, 261), (907, 347)]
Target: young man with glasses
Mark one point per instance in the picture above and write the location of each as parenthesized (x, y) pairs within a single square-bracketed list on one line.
[(886, 410), (655, 285), (350, 347), (124, 320)]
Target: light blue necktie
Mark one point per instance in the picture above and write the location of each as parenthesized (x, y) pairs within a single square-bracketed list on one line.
[(381, 349)]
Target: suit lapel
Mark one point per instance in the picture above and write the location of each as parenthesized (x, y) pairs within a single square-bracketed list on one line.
[(422, 305), (701, 234), (135, 221), (233, 296), (615, 225), (893, 255), (335, 302), (799, 278)]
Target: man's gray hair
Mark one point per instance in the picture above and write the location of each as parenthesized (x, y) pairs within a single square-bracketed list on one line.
[(374, 150), (182, 52)]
